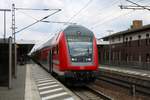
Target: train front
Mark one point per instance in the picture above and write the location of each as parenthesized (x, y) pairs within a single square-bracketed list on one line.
[(82, 54)]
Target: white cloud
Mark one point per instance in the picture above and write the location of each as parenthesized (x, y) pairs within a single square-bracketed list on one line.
[(102, 15)]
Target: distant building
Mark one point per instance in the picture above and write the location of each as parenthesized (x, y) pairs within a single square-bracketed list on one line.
[(23, 48), (103, 51), (129, 48)]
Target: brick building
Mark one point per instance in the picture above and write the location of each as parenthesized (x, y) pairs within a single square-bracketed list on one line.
[(103, 51), (128, 48)]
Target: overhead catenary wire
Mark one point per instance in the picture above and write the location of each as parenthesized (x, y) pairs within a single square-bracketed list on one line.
[(111, 19), (85, 6), (138, 5), (111, 5), (27, 15), (37, 21), (58, 22)]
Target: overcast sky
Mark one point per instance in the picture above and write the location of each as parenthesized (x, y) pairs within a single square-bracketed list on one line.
[(97, 15)]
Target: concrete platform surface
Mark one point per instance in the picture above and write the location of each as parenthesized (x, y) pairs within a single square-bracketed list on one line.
[(34, 83), (18, 86), (127, 70), (47, 87)]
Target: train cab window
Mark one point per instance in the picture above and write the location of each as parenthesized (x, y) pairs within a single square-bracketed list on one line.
[(80, 47)]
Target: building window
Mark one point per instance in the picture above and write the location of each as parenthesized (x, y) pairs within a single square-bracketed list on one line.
[(127, 58), (139, 40), (126, 41), (130, 41), (113, 40), (119, 38), (148, 58), (140, 58), (147, 39)]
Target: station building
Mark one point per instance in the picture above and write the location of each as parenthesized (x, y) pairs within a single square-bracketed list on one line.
[(130, 48)]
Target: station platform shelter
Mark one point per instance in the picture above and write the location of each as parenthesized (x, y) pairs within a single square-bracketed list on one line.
[(12, 54)]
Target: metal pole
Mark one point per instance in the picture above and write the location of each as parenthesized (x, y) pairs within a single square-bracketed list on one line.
[(110, 50), (15, 52), (10, 62), (15, 59), (13, 35), (4, 25), (133, 90)]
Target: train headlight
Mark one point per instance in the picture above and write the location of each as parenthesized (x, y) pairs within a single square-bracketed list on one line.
[(73, 59), (88, 59)]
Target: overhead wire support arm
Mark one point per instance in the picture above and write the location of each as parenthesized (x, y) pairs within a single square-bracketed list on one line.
[(132, 7), (38, 21), (58, 22), (137, 7), (35, 9)]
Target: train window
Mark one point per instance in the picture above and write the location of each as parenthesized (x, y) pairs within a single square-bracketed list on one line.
[(57, 49), (54, 50)]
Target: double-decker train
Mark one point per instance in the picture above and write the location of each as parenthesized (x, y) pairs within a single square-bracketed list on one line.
[(71, 55)]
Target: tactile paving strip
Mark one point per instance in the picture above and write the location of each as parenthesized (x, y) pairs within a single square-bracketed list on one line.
[(49, 88)]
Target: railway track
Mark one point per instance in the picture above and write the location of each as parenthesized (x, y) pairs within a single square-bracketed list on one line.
[(90, 93), (134, 84)]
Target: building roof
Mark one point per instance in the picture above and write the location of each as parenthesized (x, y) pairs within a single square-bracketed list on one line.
[(22, 41), (100, 42), (129, 31), (2, 40)]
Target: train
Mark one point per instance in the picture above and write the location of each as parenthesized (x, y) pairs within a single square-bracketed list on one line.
[(71, 55)]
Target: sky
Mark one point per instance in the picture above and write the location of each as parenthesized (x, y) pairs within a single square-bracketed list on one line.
[(100, 16)]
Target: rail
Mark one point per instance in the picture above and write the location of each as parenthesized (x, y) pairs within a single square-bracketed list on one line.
[(134, 84), (102, 95), (89, 93)]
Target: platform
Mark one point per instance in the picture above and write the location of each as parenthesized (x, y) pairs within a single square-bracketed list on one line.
[(127, 71), (18, 86), (34, 83), (40, 85)]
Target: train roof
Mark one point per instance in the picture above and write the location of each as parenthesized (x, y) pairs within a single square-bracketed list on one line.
[(69, 29), (77, 28)]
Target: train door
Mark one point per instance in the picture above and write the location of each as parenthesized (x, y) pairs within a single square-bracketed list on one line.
[(50, 62)]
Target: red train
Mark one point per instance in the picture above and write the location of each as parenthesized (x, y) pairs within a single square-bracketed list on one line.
[(71, 54)]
